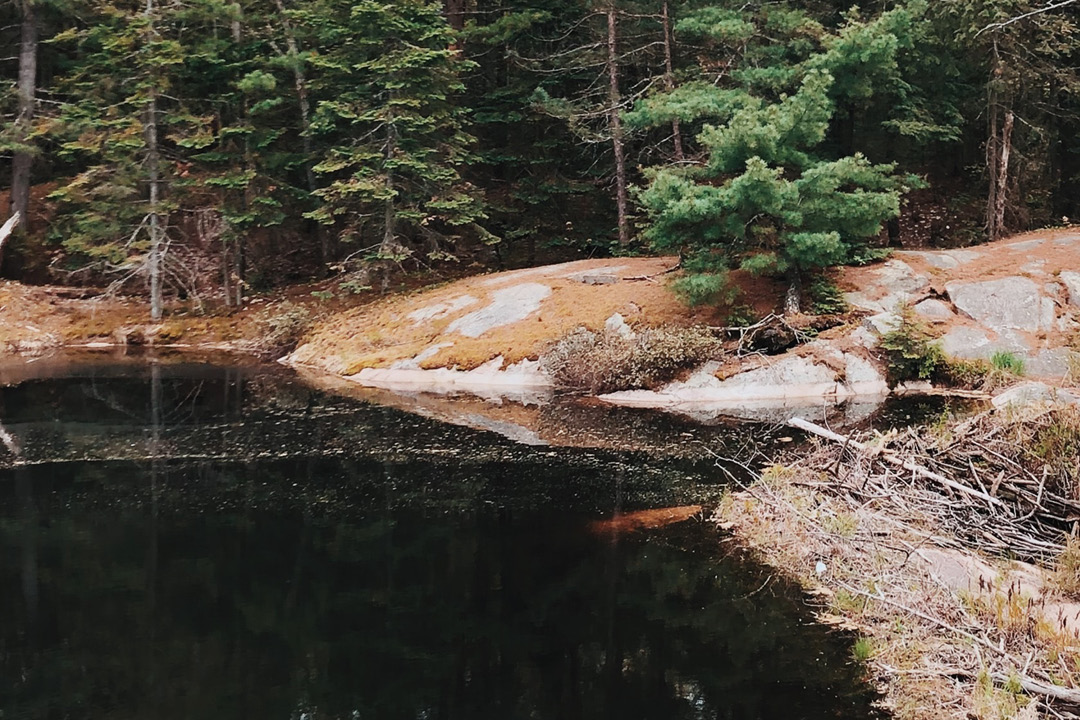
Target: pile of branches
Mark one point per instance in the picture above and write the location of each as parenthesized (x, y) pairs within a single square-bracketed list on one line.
[(1001, 481)]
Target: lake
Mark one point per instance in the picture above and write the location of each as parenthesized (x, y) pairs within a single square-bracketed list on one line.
[(184, 539)]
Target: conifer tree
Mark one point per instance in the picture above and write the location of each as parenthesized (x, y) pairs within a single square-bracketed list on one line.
[(121, 115), (764, 200), (396, 140)]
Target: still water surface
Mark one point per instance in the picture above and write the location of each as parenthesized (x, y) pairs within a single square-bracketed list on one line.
[(194, 541)]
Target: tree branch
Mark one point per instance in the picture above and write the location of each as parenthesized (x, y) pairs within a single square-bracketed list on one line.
[(1018, 18)]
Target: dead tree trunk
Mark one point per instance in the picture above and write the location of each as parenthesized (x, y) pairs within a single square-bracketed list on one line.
[(1002, 182), (998, 149), (389, 245), (455, 14), (669, 82), (615, 125), (26, 88), (153, 172), (793, 298)]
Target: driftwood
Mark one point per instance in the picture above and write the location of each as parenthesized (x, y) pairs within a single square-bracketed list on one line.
[(893, 458), (1003, 483), (992, 490)]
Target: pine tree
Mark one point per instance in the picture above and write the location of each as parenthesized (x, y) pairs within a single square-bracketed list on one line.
[(764, 199)]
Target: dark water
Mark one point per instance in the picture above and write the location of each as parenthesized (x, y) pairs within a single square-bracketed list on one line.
[(190, 541)]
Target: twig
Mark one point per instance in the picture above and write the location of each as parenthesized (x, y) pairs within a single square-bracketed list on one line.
[(914, 467)]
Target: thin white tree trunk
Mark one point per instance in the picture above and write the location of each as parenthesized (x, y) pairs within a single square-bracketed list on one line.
[(615, 125), (1001, 193), (153, 175), (26, 87), (7, 228)]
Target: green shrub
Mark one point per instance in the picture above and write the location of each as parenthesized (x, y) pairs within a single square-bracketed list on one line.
[(283, 326), (705, 288), (910, 350), (826, 298), (966, 374), (1008, 362), (607, 361)]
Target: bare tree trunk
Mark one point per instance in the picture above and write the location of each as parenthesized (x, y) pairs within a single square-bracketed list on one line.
[(615, 124), (998, 149), (26, 88), (389, 244), (300, 82), (1001, 193), (669, 82), (455, 14), (793, 298), (153, 173)]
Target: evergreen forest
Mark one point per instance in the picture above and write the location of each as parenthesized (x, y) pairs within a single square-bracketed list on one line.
[(224, 147)]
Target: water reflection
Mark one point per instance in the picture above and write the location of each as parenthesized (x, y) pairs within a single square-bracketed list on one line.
[(374, 583)]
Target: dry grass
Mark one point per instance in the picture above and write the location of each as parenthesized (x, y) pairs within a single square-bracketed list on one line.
[(608, 361), (945, 638)]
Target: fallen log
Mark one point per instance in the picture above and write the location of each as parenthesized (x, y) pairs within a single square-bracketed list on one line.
[(892, 458)]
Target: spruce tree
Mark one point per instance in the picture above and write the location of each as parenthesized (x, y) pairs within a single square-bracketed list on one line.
[(387, 76), (122, 123)]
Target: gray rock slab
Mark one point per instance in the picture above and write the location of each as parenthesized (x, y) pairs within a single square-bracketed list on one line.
[(1067, 240), (935, 310), (864, 337), (896, 276), (1026, 244), (507, 306), (1011, 303), (606, 275), (1034, 267), (1071, 281), (1033, 393), (441, 310), (616, 325), (597, 278), (789, 370), (965, 342), (882, 322), (964, 256), (938, 260), (1051, 362)]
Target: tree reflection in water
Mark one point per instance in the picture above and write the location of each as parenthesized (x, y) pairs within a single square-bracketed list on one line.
[(305, 587)]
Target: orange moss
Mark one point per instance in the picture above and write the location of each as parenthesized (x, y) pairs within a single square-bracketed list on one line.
[(382, 333)]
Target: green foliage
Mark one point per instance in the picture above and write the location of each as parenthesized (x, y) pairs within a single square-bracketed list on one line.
[(397, 140), (967, 374), (862, 650), (1008, 362), (705, 288), (911, 351), (826, 298), (763, 199)]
